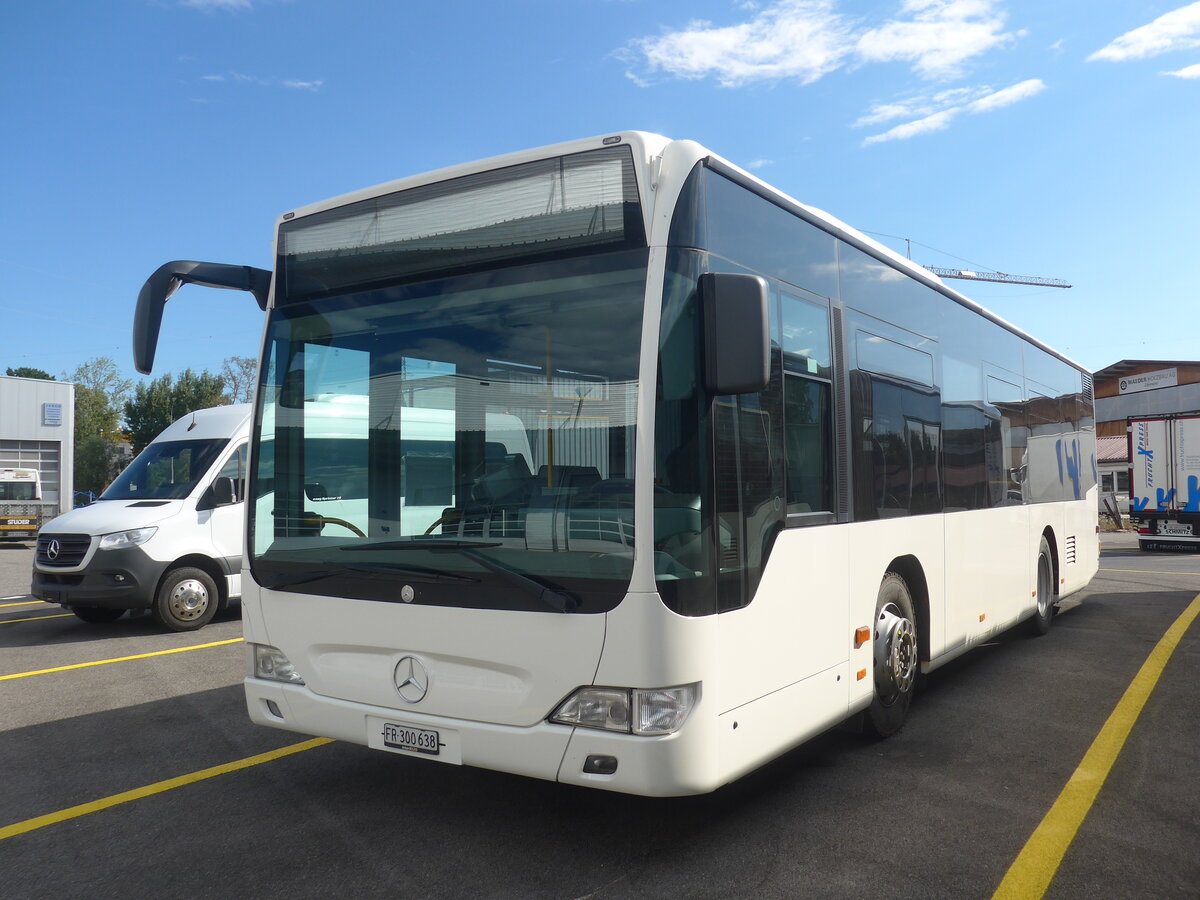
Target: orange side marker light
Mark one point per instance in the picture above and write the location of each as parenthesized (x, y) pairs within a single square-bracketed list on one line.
[(862, 673), (861, 636)]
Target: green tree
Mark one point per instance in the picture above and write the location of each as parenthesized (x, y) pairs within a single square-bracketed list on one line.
[(156, 405), (99, 390), (239, 374), (29, 372)]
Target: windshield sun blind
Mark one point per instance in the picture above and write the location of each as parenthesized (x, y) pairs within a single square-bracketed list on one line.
[(568, 205)]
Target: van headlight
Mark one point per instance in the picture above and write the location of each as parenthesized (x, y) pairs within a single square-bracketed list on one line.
[(628, 710), (132, 538)]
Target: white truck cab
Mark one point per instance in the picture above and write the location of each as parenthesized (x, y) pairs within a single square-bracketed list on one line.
[(166, 535)]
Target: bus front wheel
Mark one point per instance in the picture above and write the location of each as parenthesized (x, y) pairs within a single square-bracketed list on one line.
[(896, 657)]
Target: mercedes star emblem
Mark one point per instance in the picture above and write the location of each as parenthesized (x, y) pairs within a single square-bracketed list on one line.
[(412, 681), (52, 550)]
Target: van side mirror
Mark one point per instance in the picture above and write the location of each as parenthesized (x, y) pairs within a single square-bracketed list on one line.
[(167, 279), (737, 340), (222, 492)]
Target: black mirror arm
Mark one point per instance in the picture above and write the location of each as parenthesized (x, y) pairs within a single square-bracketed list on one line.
[(167, 279)]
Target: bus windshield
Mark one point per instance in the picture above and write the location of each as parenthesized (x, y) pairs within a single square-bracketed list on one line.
[(165, 470), (465, 441)]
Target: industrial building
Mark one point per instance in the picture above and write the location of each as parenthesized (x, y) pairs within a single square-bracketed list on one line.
[(1136, 387), (37, 431)]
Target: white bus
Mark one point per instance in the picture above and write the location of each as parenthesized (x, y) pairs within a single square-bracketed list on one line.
[(774, 470)]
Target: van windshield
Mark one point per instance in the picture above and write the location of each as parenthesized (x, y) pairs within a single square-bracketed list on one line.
[(165, 470)]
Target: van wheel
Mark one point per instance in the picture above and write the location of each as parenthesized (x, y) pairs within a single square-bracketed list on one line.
[(1044, 617), (187, 599), (896, 657), (97, 614)]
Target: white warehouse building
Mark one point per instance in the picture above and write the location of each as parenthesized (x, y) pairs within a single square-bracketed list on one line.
[(37, 431)]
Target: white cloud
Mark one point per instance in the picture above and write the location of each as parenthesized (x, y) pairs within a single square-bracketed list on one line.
[(955, 103), (801, 39), (938, 36), (807, 39), (207, 5), (760, 164), (1186, 72), (920, 105), (1176, 30), (1007, 96), (292, 83)]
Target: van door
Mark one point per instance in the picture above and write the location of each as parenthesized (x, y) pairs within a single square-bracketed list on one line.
[(228, 523)]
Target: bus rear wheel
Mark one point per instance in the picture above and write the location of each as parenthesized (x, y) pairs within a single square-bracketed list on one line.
[(1044, 617), (896, 656)]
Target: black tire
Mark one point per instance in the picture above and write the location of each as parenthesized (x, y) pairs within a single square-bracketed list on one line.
[(187, 600), (97, 615), (1043, 618), (897, 657)]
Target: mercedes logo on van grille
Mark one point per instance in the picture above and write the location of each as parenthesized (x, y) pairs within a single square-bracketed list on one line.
[(53, 549), (412, 681)]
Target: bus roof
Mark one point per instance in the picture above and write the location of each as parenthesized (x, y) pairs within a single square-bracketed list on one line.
[(650, 150)]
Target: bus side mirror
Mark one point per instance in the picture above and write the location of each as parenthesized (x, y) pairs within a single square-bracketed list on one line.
[(737, 357), (167, 279)]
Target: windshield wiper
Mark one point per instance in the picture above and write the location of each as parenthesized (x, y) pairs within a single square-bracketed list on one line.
[(547, 594), (423, 545), (287, 579)]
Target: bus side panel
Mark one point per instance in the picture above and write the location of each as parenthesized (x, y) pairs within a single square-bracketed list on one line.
[(797, 624), (987, 573), (1079, 555)]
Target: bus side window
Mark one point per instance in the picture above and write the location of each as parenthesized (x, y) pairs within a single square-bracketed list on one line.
[(807, 364)]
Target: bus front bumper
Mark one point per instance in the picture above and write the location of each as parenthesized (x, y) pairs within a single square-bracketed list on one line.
[(669, 766)]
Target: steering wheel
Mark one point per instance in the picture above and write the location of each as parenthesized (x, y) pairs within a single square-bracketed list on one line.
[(322, 521)]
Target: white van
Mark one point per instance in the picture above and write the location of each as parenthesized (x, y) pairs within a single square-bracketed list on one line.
[(167, 535)]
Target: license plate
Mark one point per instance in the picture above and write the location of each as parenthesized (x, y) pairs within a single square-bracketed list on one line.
[(442, 744), (1175, 529), (407, 737)]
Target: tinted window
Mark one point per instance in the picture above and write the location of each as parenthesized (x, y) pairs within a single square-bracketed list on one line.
[(878, 289), (806, 445), (756, 233), (805, 336)]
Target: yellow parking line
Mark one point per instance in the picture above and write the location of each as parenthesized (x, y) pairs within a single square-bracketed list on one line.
[(104, 662), (26, 603), (1031, 873), (35, 618), (158, 787)]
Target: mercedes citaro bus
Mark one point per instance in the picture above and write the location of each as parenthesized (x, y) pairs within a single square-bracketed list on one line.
[(768, 471)]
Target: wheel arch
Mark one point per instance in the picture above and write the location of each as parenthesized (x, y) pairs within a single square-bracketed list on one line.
[(1048, 534), (206, 564), (910, 569)]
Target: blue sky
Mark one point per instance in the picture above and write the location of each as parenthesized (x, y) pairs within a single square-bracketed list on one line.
[(1052, 139)]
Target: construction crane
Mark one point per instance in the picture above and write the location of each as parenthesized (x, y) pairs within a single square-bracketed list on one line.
[(972, 275), (1002, 277)]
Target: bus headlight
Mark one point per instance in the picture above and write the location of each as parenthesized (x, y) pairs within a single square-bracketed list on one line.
[(271, 664), (630, 711), (120, 539)]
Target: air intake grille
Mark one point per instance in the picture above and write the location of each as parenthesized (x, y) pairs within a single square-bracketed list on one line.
[(1069, 551), (62, 550)]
